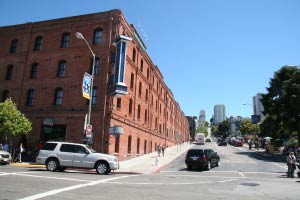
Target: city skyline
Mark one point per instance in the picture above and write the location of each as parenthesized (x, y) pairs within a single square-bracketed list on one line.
[(226, 52)]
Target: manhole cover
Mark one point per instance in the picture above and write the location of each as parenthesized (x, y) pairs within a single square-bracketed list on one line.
[(172, 177), (249, 184)]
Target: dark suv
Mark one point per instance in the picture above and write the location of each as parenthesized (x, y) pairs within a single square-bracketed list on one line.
[(201, 158)]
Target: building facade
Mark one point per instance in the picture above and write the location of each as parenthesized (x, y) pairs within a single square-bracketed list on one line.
[(219, 113), (258, 108), (42, 66), (201, 119)]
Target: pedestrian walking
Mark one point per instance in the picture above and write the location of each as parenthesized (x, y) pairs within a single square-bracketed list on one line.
[(291, 163), (158, 150), (163, 151), (19, 152)]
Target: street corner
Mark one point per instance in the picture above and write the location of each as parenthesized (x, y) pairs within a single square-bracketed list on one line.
[(26, 164)]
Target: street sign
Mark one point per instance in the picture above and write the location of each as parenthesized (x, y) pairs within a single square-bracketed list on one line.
[(86, 86), (88, 131)]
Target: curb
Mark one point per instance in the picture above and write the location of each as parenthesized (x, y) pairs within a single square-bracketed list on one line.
[(26, 165)]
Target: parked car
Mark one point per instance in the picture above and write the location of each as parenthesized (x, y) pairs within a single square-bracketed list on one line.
[(207, 140), (201, 158), (222, 143), (5, 157), (57, 156)]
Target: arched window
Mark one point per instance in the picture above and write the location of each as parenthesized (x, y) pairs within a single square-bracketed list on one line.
[(117, 144), (131, 81), (130, 106), (58, 96), (129, 144), (30, 97), (133, 55), (146, 113), (61, 68), (138, 146), (38, 43), (13, 47), (146, 95), (65, 40), (97, 36), (140, 88), (5, 95), (139, 112), (142, 65), (9, 72), (145, 147), (34, 70)]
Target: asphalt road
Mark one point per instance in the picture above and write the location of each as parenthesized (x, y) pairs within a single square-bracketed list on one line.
[(241, 175)]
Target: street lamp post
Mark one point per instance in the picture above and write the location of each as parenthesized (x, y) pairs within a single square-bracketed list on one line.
[(80, 36)]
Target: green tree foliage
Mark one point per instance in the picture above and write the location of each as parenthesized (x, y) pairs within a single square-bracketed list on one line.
[(12, 121), (282, 101), (248, 128), (223, 128)]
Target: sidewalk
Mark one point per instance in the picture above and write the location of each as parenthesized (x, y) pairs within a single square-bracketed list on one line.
[(146, 164), (151, 163)]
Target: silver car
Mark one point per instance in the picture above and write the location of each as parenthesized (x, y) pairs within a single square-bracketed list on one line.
[(57, 156), (5, 157)]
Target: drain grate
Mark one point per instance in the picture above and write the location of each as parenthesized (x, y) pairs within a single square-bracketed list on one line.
[(249, 184)]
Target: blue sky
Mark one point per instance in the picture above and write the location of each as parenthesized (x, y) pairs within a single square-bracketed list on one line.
[(209, 51)]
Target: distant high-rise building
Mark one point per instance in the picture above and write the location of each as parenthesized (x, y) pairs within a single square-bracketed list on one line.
[(258, 108), (201, 119), (219, 113)]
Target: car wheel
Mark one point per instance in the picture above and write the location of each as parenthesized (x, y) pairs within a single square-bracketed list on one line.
[(102, 168), (52, 165), (208, 167)]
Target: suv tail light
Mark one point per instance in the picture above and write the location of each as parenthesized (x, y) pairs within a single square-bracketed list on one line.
[(204, 158)]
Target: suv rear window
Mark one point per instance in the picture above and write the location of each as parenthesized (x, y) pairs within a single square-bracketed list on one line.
[(49, 146), (195, 152)]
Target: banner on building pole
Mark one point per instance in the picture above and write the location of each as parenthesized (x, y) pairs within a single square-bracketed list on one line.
[(86, 86)]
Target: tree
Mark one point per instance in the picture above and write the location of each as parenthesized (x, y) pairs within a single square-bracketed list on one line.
[(248, 128), (223, 128), (12, 121), (282, 102)]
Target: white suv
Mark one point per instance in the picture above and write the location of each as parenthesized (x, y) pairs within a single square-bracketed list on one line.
[(59, 155)]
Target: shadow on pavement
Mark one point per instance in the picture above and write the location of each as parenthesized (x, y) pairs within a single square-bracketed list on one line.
[(263, 156)]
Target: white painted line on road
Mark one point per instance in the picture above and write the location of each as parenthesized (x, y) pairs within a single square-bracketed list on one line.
[(280, 166), (49, 177), (74, 187), (241, 174)]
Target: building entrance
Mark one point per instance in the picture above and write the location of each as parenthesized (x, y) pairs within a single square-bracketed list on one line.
[(54, 133)]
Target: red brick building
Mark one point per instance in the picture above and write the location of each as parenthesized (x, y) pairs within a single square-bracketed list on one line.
[(42, 66)]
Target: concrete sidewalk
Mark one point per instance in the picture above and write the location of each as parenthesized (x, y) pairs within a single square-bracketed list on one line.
[(151, 163), (146, 164)]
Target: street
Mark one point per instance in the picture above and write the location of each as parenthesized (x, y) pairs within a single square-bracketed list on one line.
[(241, 175)]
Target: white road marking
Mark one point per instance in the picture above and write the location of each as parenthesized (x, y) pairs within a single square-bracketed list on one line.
[(57, 178), (241, 174), (56, 191), (280, 165)]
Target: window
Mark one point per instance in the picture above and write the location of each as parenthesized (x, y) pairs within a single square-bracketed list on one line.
[(5, 95), (140, 89), (133, 55), (145, 119), (139, 112), (138, 146), (97, 36), (38, 43), (146, 94), (61, 68), (117, 144), (14, 45), (96, 66), (49, 146), (131, 81), (30, 97), (148, 73), (9, 72), (34, 70), (129, 144), (119, 103), (145, 146), (130, 107), (58, 96), (94, 95), (65, 40), (67, 148), (142, 65)]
